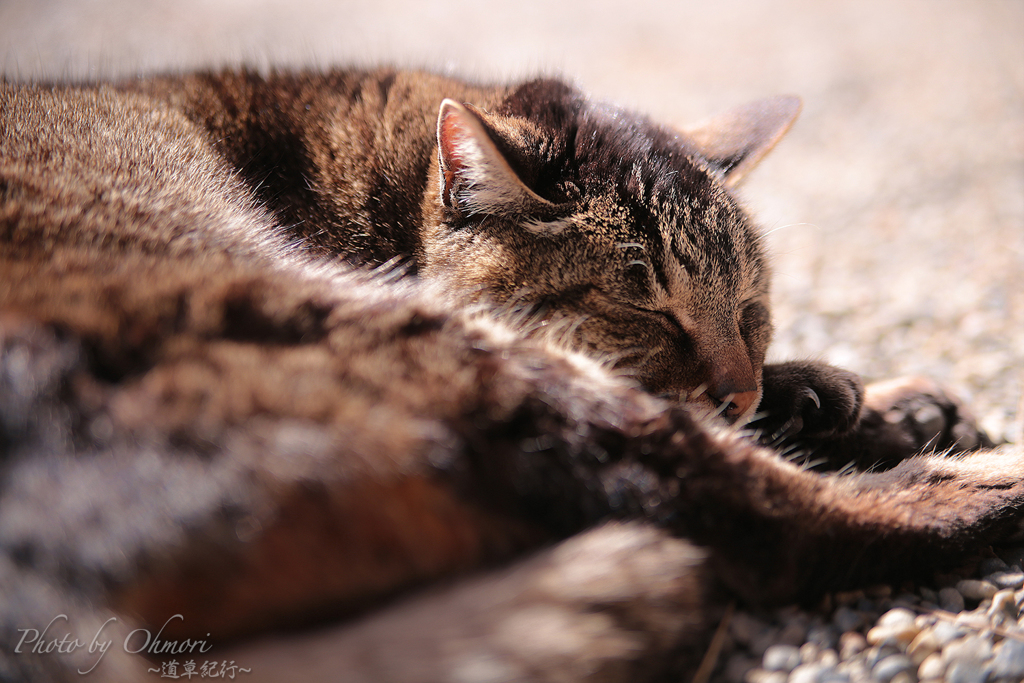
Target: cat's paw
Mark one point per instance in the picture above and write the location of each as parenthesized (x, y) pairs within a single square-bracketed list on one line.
[(807, 400), (899, 418), (909, 415)]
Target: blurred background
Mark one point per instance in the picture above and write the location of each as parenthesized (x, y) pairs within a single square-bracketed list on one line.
[(895, 208)]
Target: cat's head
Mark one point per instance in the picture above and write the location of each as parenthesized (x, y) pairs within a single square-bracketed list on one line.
[(589, 213)]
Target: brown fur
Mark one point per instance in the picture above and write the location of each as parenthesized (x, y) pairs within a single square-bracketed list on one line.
[(198, 417), (673, 289)]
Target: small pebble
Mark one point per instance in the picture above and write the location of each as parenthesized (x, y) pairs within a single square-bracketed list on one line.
[(931, 667), (781, 658), (946, 632), (975, 620), (809, 653), (1008, 579), (906, 601), (805, 673), (744, 628), (1009, 660), (762, 676), (923, 646), (897, 617), (976, 647), (894, 634), (887, 669), (1003, 611), (846, 619), (850, 643), (991, 565), (924, 621), (857, 669), (966, 671), (834, 676), (868, 606), (972, 589), (929, 595), (951, 600), (763, 640), (874, 655), (823, 636), (794, 632)]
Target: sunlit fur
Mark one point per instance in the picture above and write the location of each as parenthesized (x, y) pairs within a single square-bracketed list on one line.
[(207, 410)]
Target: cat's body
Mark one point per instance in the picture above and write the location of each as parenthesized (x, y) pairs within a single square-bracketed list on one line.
[(202, 417), (577, 211)]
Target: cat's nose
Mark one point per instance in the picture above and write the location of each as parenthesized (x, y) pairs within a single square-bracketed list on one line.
[(734, 388), (739, 403), (732, 383)]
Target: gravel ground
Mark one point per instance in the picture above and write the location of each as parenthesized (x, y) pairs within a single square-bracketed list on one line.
[(895, 208), (961, 630)]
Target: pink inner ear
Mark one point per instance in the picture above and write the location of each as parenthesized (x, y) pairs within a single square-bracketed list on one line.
[(451, 162), (453, 132)]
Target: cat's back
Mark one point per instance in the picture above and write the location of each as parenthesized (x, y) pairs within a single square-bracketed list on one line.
[(339, 156), (335, 160), (102, 172)]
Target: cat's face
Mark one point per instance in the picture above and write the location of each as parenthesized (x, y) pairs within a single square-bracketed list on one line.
[(620, 234)]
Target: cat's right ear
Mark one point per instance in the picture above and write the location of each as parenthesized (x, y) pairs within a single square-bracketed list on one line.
[(734, 142), (474, 177)]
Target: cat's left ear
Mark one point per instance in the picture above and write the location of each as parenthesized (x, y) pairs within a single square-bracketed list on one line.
[(734, 142), (474, 176)]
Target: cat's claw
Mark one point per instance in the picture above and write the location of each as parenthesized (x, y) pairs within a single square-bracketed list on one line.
[(806, 400), (811, 394)]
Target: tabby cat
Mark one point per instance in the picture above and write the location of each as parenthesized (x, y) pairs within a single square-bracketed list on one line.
[(212, 406)]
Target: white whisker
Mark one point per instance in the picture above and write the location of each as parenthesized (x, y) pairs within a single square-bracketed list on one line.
[(791, 225)]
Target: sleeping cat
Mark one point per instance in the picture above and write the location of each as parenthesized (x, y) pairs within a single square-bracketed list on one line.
[(210, 408), (536, 195), (576, 212)]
